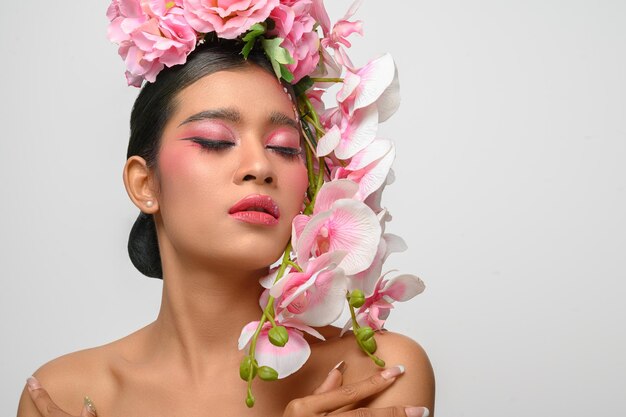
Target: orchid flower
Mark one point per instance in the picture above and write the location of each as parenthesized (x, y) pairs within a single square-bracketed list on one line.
[(338, 223), (369, 168), (376, 82), (375, 310), (285, 359), (316, 296)]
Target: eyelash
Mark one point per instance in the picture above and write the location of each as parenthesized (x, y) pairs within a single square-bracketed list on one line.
[(219, 145)]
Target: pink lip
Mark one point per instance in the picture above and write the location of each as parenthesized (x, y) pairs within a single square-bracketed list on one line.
[(256, 209)]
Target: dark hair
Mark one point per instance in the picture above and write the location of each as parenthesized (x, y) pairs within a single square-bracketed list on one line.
[(151, 111)]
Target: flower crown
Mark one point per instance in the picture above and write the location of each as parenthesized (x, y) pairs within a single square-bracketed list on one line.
[(338, 244)]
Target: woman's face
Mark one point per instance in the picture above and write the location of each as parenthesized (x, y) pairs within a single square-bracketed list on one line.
[(231, 153)]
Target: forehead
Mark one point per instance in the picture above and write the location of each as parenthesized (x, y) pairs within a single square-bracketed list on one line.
[(254, 92)]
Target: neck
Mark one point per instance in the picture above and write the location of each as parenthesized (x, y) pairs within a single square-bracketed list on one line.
[(202, 313)]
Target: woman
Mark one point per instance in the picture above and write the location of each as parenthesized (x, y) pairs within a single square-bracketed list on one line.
[(216, 166)]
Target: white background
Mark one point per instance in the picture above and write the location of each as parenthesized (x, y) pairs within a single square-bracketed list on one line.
[(510, 193)]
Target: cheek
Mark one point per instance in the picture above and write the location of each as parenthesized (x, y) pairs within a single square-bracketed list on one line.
[(297, 182), (184, 175)]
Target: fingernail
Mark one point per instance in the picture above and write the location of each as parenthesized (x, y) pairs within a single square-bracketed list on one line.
[(341, 367), (393, 372), (417, 412), (33, 383), (89, 406)]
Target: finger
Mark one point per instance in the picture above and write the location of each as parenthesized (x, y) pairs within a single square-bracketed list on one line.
[(351, 393), (43, 402), (89, 410), (387, 412), (333, 380)]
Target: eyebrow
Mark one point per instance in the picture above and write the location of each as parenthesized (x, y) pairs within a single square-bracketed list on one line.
[(232, 115), (224, 114), (282, 119)]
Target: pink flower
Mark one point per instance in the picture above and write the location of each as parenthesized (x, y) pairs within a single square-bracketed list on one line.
[(339, 222), (336, 38), (377, 307), (375, 82), (286, 359), (317, 295), (369, 167), (294, 24), (227, 18), (151, 34), (348, 134), (366, 280)]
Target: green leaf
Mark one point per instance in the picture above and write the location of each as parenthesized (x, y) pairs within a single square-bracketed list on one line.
[(275, 51), (247, 48), (255, 31), (285, 73), (277, 54), (304, 84), (268, 374)]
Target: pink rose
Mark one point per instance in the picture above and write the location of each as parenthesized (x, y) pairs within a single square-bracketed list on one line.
[(294, 24), (227, 18), (151, 34)]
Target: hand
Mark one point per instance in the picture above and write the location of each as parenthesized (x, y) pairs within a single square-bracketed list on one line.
[(331, 395), (47, 407)]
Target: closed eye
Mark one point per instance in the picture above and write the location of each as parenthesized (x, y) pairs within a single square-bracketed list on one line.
[(212, 145), (291, 153)]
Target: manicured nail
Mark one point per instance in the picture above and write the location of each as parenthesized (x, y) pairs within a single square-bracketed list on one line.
[(89, 406), (341, 367), (417, 412), (393, 372), (33, 383)]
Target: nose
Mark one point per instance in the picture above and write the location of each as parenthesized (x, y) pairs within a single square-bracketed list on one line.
[(255, 166)]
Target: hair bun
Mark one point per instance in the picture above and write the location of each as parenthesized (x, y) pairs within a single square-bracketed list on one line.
[(143, 247)]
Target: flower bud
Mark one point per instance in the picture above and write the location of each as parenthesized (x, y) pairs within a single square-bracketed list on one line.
[(278, 336), (369, 345), (364, 333), (250, 401), (267, 373), (247, 366), (357, 298)]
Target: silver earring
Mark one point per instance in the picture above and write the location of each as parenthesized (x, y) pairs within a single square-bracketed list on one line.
[(149, 203)]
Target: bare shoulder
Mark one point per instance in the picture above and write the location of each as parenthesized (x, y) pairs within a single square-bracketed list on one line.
[(415, 387), (71, 377)]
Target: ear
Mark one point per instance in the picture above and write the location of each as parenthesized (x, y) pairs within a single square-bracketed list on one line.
[(140, 184)]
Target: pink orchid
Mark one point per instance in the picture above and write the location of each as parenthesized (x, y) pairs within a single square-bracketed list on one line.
[(317, 295), (227, 18), (294, 24), (376, 309), (339, 222), (286, 359), (375, 82), (374, 200), (336, 38), (366, 280), (150, 34), (369, 167), (348, 134)]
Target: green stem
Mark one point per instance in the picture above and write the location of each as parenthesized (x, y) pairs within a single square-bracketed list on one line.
[(326, 80), (294, 265), (355, 324), (266, 315)]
